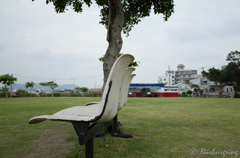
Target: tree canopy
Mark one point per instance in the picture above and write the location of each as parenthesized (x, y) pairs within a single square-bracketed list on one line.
[(51, 84), (31, 85), (118, 16), (196, 89), (132, 64), (134, 10), (233, 56), (84, 89), (220, 77), (233, 69), (7, 80)]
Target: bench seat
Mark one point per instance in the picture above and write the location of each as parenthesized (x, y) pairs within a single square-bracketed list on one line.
[(76, 113)]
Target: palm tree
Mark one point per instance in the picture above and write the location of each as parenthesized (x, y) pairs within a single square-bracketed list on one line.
[(196, 89), (51, 84), (31, 85)]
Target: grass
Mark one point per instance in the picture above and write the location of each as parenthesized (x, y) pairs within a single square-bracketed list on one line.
[(162, 127)]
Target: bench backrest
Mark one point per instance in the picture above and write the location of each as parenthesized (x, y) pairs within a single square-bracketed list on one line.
[(126, 96), (125, 87), (110, 98)]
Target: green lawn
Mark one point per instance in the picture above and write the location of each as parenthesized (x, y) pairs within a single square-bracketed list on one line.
[(162, 127)]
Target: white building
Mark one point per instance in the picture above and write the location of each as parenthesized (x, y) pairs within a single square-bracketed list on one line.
[(184, 75), (210, 88), (169, 79), (183, 87)]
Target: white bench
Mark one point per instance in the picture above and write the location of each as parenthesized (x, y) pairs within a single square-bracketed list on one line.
[(100, 112), (128, 76)]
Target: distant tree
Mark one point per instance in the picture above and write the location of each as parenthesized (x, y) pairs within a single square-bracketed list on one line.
[(233, 56), (78, 89), (7, 80), (196, 89), (233, 70), (118, 15), (31, 85), (84, 89), (187, 81), (189, 92), (184, 94), (201, 91), (2, 90), (22, 93), (51, 84), (220, 77)]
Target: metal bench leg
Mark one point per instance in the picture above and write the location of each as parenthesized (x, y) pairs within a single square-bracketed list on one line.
[(86, 135), (115, 124), (115, 132), (89, 148)]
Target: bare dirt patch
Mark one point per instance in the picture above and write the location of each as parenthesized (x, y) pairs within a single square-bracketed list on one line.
[(51, 144)]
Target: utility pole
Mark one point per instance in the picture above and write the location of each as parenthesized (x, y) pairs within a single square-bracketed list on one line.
[(169, 75), (73, 82), (203, 81), (11, 83)]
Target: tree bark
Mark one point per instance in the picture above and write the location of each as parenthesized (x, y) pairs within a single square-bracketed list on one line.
[(220, 90), (6, 91), (115, 38), (30, 92)]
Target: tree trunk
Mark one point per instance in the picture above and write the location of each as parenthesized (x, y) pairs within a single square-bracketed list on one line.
[(6, 91), (52, 92), (115, 38), (220, 91)]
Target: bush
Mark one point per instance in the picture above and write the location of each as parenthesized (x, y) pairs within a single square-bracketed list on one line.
[(212, 89), (96, 94), (88, 95), (3, 95), (22, 93), (236, 95), (75, 95), (49, 94), (57, 94), (184, 94), (189, 92), (42, 95)]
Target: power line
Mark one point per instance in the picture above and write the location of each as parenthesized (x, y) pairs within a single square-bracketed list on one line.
[(41, 78)]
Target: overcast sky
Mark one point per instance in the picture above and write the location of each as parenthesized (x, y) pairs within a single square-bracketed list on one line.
[(39, 45)]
